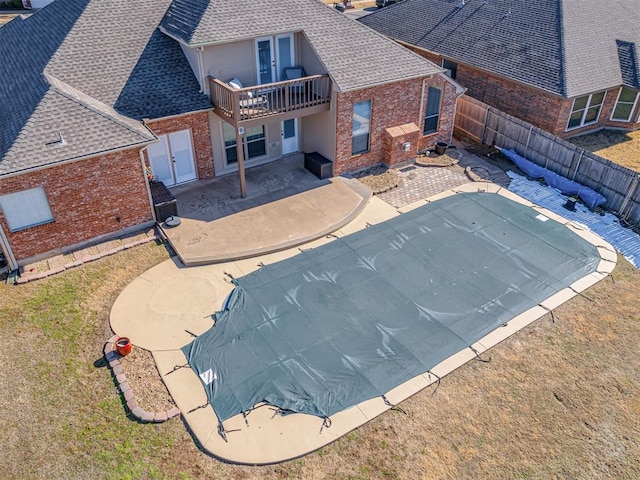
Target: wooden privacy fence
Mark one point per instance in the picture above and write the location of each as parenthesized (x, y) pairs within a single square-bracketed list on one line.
[(618, 184)]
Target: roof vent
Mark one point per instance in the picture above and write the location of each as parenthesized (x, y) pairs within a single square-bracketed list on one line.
[(58, 141), (461, 4)]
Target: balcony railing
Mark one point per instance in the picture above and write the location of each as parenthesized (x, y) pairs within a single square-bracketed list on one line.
[(270, 99)]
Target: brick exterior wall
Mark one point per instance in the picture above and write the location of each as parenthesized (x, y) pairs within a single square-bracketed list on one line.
[(198, 123), (395, 138), (545, 110), (85, 198), (392, 105)]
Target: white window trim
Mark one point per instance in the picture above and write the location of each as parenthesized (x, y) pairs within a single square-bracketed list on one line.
[(353, 114), (633, 108), (439, 114), (249, 162), (586, 109), (44, 208)]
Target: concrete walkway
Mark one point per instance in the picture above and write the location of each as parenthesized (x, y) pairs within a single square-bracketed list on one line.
[(167, 306)]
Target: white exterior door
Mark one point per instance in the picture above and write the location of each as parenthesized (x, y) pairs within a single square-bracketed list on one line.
[(160, 161), (270, 60), (284, 53), (172, 158), (265, 60), (289, 132), (182, 152)]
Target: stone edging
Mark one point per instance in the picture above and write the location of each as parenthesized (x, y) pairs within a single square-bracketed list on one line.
[(436, 162), (473, 176), (135, 410), (30, 278)]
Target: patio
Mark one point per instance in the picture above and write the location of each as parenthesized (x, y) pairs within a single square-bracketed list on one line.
[(285, 206)]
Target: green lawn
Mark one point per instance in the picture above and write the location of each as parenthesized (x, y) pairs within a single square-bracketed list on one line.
[(557, 400)]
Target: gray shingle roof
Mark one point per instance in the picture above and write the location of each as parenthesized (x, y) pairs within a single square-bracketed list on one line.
[(354, 56), (64, 71), (567, 47)]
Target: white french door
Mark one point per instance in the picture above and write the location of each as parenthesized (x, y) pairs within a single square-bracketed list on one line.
[(273, 54), (265, 60), (289, 132), (172, 159), (284, 53)]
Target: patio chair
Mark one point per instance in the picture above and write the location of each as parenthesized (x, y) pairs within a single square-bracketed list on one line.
[(294, 73), (248, 100)]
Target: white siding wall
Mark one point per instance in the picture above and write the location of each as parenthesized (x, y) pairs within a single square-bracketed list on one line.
[(231, 60), (192, 57)]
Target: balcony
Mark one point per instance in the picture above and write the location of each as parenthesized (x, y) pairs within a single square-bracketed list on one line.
[(268, 102)]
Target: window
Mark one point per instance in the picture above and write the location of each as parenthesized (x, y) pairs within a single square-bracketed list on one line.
[(451, 66), (254, 142), (361, 127), (585, 110), (624, 106), (25, 209), (432, 114), (229, 134)]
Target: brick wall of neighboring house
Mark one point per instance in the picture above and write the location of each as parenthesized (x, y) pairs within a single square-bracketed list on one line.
[(545, 110), (198, 123), (85, 198), (392, 105), (610, 103)]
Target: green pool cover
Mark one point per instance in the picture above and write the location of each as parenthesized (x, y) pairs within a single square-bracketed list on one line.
[(351, 320)]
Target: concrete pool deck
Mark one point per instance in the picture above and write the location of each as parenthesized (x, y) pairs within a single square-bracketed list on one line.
[(165, 307)]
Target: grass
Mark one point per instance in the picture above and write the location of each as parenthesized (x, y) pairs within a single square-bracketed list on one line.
[(620, 147), (557, 400)]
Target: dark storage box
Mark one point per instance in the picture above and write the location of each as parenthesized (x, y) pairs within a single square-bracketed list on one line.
[(320, 166), (164, 203)]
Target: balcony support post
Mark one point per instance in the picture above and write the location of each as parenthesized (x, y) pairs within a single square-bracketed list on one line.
[(240, 155)]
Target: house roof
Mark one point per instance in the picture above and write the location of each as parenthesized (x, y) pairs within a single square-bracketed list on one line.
[(567, 47), (69, 87), (355, 56), (78, 76)]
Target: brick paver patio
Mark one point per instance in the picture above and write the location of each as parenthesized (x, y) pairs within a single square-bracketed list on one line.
[(423, 182)]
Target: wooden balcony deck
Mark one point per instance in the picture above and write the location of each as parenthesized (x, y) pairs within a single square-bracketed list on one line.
[(271, 101)]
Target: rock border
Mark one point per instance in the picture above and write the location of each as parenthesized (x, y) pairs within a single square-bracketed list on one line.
[(429, 161), (113, 357), (475, 177), (28, 277)]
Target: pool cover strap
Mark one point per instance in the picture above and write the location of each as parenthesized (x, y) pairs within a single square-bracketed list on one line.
[(352, 319)]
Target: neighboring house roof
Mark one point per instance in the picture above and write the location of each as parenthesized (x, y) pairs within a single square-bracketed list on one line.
[(77, 88), (567, 47), (355, 56)]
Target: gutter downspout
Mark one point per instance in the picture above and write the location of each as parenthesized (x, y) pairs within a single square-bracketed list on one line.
[(144, 174), (204, 87), (4, 244)]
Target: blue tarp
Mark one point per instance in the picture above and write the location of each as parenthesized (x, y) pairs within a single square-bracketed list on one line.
[(589, 196), (625, 240)]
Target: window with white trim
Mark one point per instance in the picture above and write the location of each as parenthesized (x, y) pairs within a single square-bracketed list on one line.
[(360, 127), (255, 144), (627, 99), (25, 209), (432, 112), (586, 110)]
